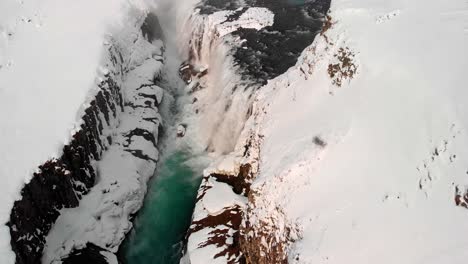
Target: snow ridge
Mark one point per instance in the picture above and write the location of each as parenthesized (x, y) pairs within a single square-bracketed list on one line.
[(87, 196), (103, 216)]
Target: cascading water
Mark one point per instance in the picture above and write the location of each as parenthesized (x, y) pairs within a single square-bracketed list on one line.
[(228, 53), (217, 114), (225, 99)]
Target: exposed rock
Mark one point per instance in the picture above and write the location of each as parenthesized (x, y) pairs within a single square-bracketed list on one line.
[(260, 54), (343, 67), (62, 182), (222, 229), (461, 197), (151, 28), (90, 254), (240, 183), (181, 129), (225, 233), (267, 241), (188, 72), (124, 170), (266, 53)]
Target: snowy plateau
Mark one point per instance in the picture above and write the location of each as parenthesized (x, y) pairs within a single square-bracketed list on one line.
[(318, 131)]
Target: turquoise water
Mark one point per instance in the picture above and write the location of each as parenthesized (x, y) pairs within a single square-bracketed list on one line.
[(161, 224)]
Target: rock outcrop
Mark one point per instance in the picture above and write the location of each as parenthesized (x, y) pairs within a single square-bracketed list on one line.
[(91, 254), (121, 126), (217, 230), (61, 183), (268, 52), (221, 226)]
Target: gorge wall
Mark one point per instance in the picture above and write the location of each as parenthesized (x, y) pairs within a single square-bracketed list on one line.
[(121, 122), (78, 207), (323, 136), (259, 40)]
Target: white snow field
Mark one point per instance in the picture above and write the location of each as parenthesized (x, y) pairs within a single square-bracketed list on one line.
[(368, 169), (368, 172), (50, 56), (103, 216)]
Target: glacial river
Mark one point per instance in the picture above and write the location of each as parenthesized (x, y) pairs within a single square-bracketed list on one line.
[(160, 226)]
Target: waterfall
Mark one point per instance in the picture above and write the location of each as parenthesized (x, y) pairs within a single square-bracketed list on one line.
[(221, 97)]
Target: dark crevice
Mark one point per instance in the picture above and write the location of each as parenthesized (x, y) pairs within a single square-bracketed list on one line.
[(91, 254), (147, 135), (139, 154), (60, 183)]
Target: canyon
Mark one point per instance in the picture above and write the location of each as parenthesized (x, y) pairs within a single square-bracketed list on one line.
[(253, 131), (80, 206)]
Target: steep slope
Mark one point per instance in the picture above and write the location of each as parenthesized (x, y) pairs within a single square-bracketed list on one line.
[(82, 197), (333, 135), (361, 148), (371, 169), (34, 85), (103, 215), (234, 50)]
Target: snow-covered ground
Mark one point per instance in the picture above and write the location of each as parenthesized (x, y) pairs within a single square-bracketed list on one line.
[(367, 172), (363, 144), (50, 58), (103, 216)]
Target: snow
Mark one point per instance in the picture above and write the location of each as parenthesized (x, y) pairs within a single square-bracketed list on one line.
[(111, 258), (255, 18), (215, 198), (50, 53), (202, 255), (227, 165), (181, 130), (103, 216), (376, 192), (220, 197)]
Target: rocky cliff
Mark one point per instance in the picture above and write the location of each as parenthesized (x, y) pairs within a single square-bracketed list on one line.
[(121, 124), (260, 51), (78, 206), (61, 183)]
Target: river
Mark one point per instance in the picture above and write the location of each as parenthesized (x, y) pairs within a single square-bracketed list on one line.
[(160, 225)]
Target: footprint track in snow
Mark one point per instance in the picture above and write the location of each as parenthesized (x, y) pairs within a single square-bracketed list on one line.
[(387, 17), (441, 156)]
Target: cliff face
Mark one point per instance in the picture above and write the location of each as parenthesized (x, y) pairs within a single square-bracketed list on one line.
[(122, 118), (223, 226), (91, 254), (102, 173), (61, 183), (268, 52)]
